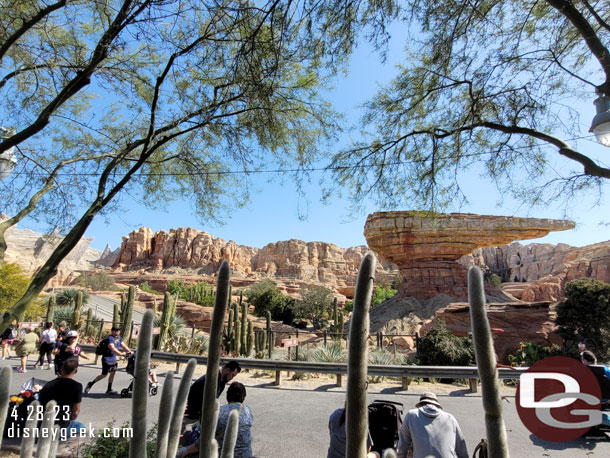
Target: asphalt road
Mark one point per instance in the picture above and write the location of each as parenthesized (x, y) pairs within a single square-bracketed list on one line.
[(103, 308), (291, 421)]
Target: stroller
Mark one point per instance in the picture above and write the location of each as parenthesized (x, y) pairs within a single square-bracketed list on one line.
[(131, 369), (18, 407), (385, 420), (602, 375)]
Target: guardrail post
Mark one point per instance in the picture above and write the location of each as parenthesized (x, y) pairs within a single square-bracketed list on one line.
[(474, 385), (405, 383), (325, 337), (297, 349), (193, 333), (177, 371), (278, 378), (339, 380), (271, 341)]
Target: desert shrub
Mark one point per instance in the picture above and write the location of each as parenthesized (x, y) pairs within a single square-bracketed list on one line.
[(64, 313), (116, 447), (97, 281), (530, 353), (176, 325), (186, 345), (585, 314), (495, 281), (68, 296), (316, 304), (13, 284), (147, 289), (349, 306), (381, 293), (331, 353), (383, 358), (439, 347), (265, 296)]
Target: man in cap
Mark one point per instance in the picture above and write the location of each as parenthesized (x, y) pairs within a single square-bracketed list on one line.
[(110, 364), (430, 431)]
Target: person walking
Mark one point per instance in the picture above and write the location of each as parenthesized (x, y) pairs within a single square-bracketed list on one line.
[(7, 338), (195, 396), (26, 347), (47, 344), (110, 363), (429, 431)]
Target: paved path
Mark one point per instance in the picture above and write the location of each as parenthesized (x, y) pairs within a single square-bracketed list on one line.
[(103, 308), (291, 422)]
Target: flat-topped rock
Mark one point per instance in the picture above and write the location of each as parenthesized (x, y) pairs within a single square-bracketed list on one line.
[(425, 246)]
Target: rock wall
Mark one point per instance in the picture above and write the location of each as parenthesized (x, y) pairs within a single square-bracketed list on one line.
[(542, 269), (291, 260), (30, 250)]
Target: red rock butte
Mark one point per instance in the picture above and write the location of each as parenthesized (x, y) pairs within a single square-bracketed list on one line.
[(425, 246)]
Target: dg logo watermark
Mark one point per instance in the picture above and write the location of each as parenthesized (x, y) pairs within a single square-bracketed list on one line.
[(559, 399)]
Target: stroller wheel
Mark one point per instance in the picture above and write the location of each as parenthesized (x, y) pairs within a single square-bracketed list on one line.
[(153, 390), (124, 393)]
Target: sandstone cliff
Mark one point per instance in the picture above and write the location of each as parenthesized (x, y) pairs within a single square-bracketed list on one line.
[(186, 250)]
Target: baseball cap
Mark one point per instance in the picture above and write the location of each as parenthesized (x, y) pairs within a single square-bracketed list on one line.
[(72, 334), (116, 328), (428, 398)]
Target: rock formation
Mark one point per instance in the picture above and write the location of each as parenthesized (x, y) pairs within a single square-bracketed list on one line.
[(426, 247), (186, 251), (30, 250)]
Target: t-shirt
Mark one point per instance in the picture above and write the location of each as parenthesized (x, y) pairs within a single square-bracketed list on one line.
[(109, 356), (195, 398), (48, 336), (8, 333), (64, 391), (243, 445), (66, 353)]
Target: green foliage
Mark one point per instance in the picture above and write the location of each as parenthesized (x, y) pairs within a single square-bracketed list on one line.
[(185, 345), (349, 306), (200, 293), (495, 281), (97, 281), (116, 447), (69, 296), (530, 353), (64, 313), (439, 347), (175, 327), (13, 284), (474, 91), (381, 293), (315, 305), (147, 289), (265, 296), (380, 357), (585, 314), (331, 353)]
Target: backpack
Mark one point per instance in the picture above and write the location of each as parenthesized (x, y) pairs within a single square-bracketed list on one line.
[(481, 449), (102, 347), (384, 423)]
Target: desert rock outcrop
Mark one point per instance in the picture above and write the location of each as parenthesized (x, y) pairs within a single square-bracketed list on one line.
[(426, 247)]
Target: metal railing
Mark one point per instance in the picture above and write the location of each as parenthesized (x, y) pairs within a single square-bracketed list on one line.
[(405, 373)]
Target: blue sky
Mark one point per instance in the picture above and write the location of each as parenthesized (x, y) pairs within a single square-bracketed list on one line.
[(273, 213)]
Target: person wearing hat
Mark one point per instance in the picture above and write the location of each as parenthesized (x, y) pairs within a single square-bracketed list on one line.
[(430, 431), (110, 363), (68, 349)]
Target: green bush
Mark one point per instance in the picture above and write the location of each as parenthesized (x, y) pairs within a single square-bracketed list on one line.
[(147, 289), (316, 305), (585, 315), (495, 281), (382, 293), (530, 353), (13, 284), (116, 447), (97, 281), (382, 358), (439, 347), (331, 353), (265, 296)]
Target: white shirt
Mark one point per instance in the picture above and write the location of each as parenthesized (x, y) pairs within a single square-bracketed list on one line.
[(48, 336)]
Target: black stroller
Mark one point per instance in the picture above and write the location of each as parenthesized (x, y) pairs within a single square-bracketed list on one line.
[(130, 369), (18, 407), (385, 419)]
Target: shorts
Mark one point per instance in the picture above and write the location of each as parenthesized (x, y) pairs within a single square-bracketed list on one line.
[(109, 367)]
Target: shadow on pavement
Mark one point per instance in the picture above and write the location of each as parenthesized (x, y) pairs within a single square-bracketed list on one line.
[(581, 443)]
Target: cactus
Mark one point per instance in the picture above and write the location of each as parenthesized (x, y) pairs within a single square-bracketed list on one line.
[(210, 405), (137, 446), (236, 331), (230, 439), (260, 343), (165, 415), (126, 313), (340, 328), (44, 444), (5, 386), (51, 308), (243, 330), (89, 319), (250, 339), (335, 315), (27, 444), (268, 321), (178, 409), (356, 424), (389, 453), (77, 310), (168, 311), (486, 363), (116, 318)]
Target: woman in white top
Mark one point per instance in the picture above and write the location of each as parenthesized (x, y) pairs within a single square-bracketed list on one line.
[(47, 343)]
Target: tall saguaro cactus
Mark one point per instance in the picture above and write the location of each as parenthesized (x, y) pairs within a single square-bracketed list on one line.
[(127, 312), (166, 314), (208, 426), (486, 363), (77, 310), (357, 412), (5, 386), (116, 316)]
